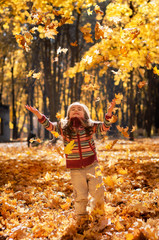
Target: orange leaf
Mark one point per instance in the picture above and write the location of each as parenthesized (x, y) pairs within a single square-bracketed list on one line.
[(58, 115), (99, 32), (141, 84), (55, 134), (113, 119), (74, 44), (98, 10)]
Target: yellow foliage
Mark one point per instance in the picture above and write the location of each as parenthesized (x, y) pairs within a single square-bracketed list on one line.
[(69, 147)]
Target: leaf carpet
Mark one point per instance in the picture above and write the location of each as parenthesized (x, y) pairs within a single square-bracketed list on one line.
[(36, 197)]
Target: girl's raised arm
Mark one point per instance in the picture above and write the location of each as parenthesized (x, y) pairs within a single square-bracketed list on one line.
[(50, 126), (34, 110)]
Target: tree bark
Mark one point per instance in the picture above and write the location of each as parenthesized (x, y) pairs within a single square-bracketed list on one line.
[(13, 104), (132, 107)]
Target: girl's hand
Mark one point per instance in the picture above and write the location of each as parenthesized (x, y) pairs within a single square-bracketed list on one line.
[(34, 110), (111, 107)]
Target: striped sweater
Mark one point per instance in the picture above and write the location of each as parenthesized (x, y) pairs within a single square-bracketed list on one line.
[(84, 152)]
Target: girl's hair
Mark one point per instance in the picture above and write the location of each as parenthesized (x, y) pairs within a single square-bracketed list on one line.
[(87, 123)]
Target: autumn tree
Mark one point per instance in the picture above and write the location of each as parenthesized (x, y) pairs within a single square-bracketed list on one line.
[(127, 40)]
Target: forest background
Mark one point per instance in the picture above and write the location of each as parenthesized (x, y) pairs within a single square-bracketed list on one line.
[(53, 53)]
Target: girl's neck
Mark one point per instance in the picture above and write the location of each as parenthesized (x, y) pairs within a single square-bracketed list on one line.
[(76, 123)]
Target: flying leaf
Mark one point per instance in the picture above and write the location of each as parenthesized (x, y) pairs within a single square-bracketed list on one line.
[(156, 71), (123, 131), (89, 12), (58, 116), (69, 147), (60, 50), (74, 44), (37, 75), (55, 134), (141, 84), (113, 119), (133, 129), (118, 98), (98, 10), (30, 73), (110, 146), (97, 99)]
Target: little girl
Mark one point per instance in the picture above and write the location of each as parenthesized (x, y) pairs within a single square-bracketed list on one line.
[(82, 161)]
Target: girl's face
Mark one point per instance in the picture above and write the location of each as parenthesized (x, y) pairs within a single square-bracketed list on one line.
[(76, 111)]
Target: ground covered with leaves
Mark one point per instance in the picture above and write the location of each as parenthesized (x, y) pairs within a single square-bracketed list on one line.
[(36, 199)]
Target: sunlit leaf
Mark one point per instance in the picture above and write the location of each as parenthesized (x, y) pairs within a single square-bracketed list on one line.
[(141, 84), (74, 44), (37, 75), (113, 119), (58, 116), (55, 134), (118, 98), (69, 147), (155, 70)]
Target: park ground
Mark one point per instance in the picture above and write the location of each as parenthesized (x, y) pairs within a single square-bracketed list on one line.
[(36, 199)]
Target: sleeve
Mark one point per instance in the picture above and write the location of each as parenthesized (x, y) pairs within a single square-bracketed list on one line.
[(102, 126), (50, 126)]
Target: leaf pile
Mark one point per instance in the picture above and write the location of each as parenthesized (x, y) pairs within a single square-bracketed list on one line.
[(36, 200)]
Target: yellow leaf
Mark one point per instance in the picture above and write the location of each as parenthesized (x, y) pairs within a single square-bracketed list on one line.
[(37, 75), (89, 12), (108, 180), (11, 126), (55, 134), (65, 206), (110, 146), (58, 115), (69, 147), (119, 226), (129, 236), (118, 98), (47, 177), (113, 119), (122, 171), (32, 140), (155, 70), (30, 73), (98, 173)]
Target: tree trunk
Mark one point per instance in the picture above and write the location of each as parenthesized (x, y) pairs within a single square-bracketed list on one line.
[(46, 58), (2, 79), (149, 103), (13, 105), (132, 107)]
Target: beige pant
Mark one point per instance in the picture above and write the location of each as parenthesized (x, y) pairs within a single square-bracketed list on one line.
[(87, 180)]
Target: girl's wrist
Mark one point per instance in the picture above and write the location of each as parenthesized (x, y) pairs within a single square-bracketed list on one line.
[(108, 115)]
